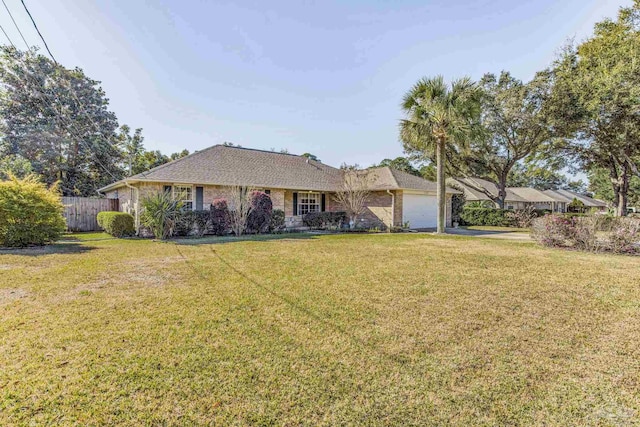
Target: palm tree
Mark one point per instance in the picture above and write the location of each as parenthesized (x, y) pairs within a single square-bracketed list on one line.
[(439, 115)]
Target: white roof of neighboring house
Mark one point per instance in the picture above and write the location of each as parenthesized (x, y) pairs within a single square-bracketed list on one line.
[(523, 194), (473, 195), (532, 195), (568, 196)]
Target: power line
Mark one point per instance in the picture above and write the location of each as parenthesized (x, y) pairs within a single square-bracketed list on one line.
[(7, 36), (39, 33), (14, 23)]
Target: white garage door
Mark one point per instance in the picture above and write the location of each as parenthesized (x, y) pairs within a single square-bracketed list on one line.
[(420, 210)]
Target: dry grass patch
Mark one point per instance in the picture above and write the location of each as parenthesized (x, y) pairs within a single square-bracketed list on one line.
[(326, 330)]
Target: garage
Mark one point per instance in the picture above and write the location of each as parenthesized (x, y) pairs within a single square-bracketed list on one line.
[(420, 210)]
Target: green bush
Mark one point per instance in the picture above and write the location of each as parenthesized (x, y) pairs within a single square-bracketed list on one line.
[(30, 213), (323, 220), (277, 221), (192, 223), (118, 224), (485, 216)]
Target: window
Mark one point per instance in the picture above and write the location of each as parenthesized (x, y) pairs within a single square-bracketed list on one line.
[(184, 193), (308, 202)]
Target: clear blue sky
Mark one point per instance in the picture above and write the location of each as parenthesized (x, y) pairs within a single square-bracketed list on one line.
[(324, 76)]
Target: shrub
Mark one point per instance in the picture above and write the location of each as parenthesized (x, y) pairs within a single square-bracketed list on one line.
[(192, 222), (522, 217), (576, 206), (592, 233), (277, 221), (484, 216), (624, 236), (30, 213), (458, 202), (260, 214), (324, 220), (552, 230), (118, 224), (161, 214), (220, 221)]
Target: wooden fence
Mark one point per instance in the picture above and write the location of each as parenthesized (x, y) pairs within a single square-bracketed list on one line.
[(80, 212)]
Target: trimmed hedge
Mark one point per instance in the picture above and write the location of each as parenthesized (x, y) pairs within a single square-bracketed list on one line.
[(322, 220), (118, 224), (485, 216), (192, 223), (497, 217), (30, 213)]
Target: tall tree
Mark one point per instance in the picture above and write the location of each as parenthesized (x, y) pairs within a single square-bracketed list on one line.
[(542, 178), (514, 126), (438, 116), (597, 86), (600, 186), (399, 163), (59, 120)]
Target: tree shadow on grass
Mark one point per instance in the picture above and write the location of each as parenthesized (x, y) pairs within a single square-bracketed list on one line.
[(297, 305), (216, 240), (55, 248)]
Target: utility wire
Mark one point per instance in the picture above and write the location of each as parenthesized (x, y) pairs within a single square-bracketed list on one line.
[(7, 36), (39, 33), (14, 23)]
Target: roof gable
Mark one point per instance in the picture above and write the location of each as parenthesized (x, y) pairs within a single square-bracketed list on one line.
[(227, 166)]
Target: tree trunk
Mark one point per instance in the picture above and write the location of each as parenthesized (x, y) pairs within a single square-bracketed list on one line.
[(615, 184), (624, 192), (441, 196), (502, 191)]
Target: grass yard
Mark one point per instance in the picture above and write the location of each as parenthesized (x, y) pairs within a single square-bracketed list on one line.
[(493, 228), (401, 329)]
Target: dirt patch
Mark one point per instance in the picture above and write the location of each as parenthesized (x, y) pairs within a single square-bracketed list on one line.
[(9, 295)]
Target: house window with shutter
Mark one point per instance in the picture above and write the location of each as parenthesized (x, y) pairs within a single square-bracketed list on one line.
[(184, 193), (308, 202)]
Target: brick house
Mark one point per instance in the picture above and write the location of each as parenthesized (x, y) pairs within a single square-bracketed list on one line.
[(297, 185)]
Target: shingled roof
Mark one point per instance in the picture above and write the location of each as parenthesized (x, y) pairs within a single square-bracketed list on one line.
[(474, 195), (568, 196), (225, 165)]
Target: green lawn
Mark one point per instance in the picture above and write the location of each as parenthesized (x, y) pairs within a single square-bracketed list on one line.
[(400, 329), (493, 228)]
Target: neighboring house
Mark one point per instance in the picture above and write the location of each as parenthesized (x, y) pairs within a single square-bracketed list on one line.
[(297, 185), (522, 197), (567, 196)]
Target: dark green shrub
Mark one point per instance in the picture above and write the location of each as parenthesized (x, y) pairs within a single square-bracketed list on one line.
[(260, 214), (192, 223), (277, 221), (220, 221), (458, 202), (576, 206), (323, 220), (30, 213), (485, 216), (118, 224)]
